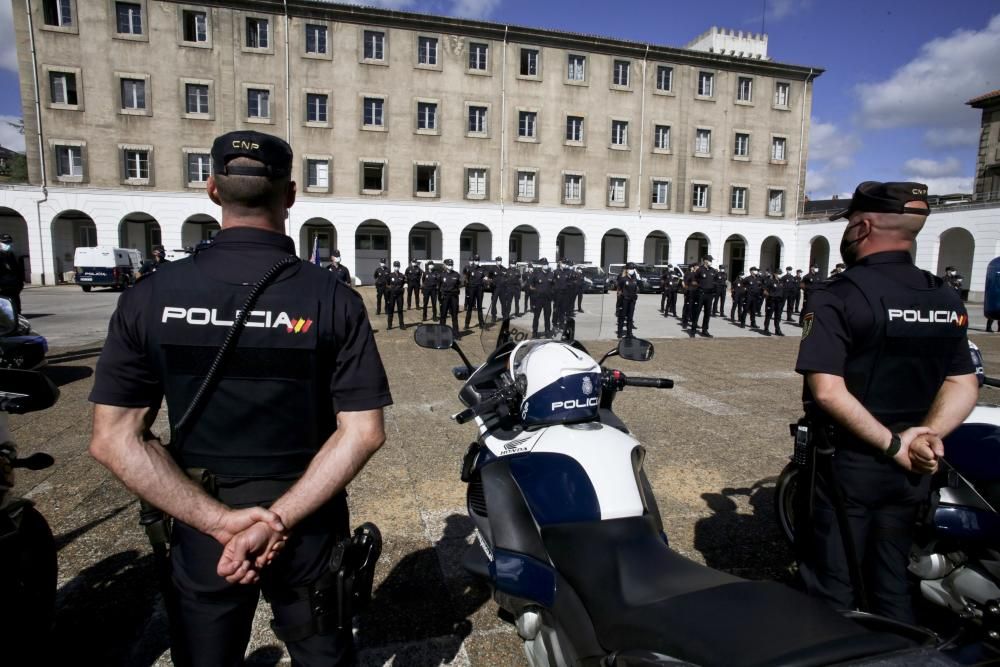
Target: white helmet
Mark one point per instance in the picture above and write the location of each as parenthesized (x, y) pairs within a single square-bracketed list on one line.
[(560, 383)]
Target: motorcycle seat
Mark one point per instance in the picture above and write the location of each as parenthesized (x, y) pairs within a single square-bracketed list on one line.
[(641, 595)]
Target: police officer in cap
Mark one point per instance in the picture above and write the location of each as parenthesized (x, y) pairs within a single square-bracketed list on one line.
[(474, 282), (791, 285), (381, 273), (541, 297), (338, 269), (705, 281), (798, 291), (159, 259), (719, 304), (954, 279), (450, 286), (628, 288), (430, 284), (809, 283), (395, 284), (496, 277), (413, 276), (754, 286), (882, 388), (294, 413)]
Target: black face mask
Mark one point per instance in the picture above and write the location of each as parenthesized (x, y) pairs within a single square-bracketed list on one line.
[(849, 249)]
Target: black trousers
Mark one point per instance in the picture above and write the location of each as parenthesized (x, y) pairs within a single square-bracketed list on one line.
[(797, 299), (579, 302), (775, 306), (412, 291), (626, 315), (663, 300), (739, 307), (558, 308), (505, 299), (671, 306), (701, 305), (790, 306), (720, 301), (517, 301), (881, 502), (394, 304), (686, 311), (431, 295), (379, 295), (473, 301), (538, 305), (494, 299), (752, 307), (449, 305), (211, 619)]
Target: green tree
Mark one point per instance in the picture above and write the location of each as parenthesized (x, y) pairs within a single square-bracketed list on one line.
[(18, 169)]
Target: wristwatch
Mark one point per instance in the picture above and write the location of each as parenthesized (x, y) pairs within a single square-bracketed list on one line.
[(895, 443)]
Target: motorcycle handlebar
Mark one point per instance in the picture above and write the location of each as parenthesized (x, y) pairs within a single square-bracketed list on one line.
[(656, 383), (991, 382), (484, 406)]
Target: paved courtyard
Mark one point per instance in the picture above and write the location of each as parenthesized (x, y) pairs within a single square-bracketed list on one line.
[(715, 445)]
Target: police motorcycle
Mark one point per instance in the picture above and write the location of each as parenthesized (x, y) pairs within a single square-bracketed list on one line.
[(28, 567), (955, 558), (568, 533)]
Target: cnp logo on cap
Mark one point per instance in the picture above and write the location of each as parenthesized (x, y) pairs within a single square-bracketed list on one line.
[(274, 154)]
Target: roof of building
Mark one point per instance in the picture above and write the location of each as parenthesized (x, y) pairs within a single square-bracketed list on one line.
[(987, 97), (7, 152)]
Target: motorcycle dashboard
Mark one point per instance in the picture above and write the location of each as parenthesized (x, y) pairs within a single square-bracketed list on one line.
[(485, 380)]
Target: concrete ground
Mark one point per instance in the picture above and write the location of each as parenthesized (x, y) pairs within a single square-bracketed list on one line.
[(715, 445)]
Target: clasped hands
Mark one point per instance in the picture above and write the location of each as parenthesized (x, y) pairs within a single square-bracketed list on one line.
[(921, 450), (252, 538)]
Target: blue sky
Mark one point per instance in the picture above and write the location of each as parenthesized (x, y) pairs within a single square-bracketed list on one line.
[(891, 104)]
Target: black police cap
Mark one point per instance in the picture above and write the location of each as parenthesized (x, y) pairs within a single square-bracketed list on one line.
[(709, 258), (336, 253), (274, 153), (498, 259), (475, 258), (449, 262), (876, 197), (630, 265), (396, 263), (543, 261)]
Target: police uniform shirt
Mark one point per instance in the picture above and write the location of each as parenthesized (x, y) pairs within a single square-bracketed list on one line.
[(127, 377)]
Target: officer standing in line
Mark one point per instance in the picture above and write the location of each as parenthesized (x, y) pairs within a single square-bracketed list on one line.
[(381, 273), (721, 287), (673, 285), (510, 286), (292, 443), (450, 286), (395, 283), (159, 259), (798, 291), (705, 277), (774, 292), (413, 277), (689, 288), (541, 297), (954, 279), (664, 282), (628, 287), (498, 279), (339, 270), (883, 390), (474, 283), (429, 285), (526, 277), (514, 286), (11, 273), (560, 290), (738, 291), (809, 283), (578, 286), (791, 285), (754, 294)]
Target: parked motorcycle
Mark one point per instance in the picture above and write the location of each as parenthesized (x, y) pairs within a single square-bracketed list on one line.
[(956, 555), (568, 533)]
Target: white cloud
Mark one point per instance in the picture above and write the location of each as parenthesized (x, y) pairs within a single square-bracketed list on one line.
[(928, 168), (931, 89), (474, 9), (945, 186), (952, 137), (831, 152), (8, 45), (9, 137)]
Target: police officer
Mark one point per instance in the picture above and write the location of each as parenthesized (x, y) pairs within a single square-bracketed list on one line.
[(689, 289), (338, 269), (739, 293), (798, 291), (882, 389), (578, 287), (430, 284), (11, 273), (526, 277), (413, 277), (474, 282), (673, 285), (290, 420), (839, 268), (791, 285), (381, 273), (705, 280), (561, 288), (719, 304), (450, 286), (664, 282), (510, 289), (495, 276), (754, 294), (541, 297), (395, 283), (809, 283), (628, 288), (954, 279), (774, 292), (159, 259), (514, 279)]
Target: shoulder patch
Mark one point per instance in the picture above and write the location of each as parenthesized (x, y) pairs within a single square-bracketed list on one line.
[(807, 325)]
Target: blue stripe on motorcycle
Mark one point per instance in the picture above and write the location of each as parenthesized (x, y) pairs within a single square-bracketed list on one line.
[(523, 577), (556, 488)]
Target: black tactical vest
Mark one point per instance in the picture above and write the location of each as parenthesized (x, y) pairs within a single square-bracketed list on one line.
[(271, 409)]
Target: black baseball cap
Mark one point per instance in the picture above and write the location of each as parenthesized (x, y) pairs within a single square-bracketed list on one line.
[(709, 258), (630, 265), (336, 253), (396, 263), (449, 262), (876, 197), (274, 153)]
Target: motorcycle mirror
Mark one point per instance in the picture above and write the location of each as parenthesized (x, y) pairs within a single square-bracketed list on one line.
[(434, 336), (635, 349), (25, 391), (39, 461), (8, 318), (461, 373)]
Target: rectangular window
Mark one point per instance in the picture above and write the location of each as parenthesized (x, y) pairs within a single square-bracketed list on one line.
[(477, 120), (374, 108), (128, 18), (778, 149), (616, 190), (196, 97), (620, 73), (476, 182), (664, 78), (426, 116), (373, 176), (62, 86), (703, 142), (661, 193), (316, 39), (57, 13), (69, 161), (136, 165), (526, 184), (258, 103), (318, 173), (699, 195), (526, 124), (706, 84), (619, 133), (479, 56), (529, 62), (426, 179), (742, 147), (573, 188), (781, 94), (427, 50), (661, 137), (374, 45), (316, 108), (775, 202), (195, 25), (576, 67), (258, 36), (739, 199), (133, 94), (574, 128), (744, 89), (199, 167)]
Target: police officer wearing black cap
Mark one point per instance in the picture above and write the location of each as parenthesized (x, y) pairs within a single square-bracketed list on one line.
[(774, 293), (338, 269), (954, 279), (672, 284), (159, 259), (798, 291), (413, 275), (808, 285), (628, 290), (497, 279), (293, 413), (395, 284), (791, 285), (721, 287), (11, 273), (754, 286), (451, 285), (430, 284), (704, 282), (381, 273), (887, 376), (475, 280), (578, 287), (739, 293), (541, 297)]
